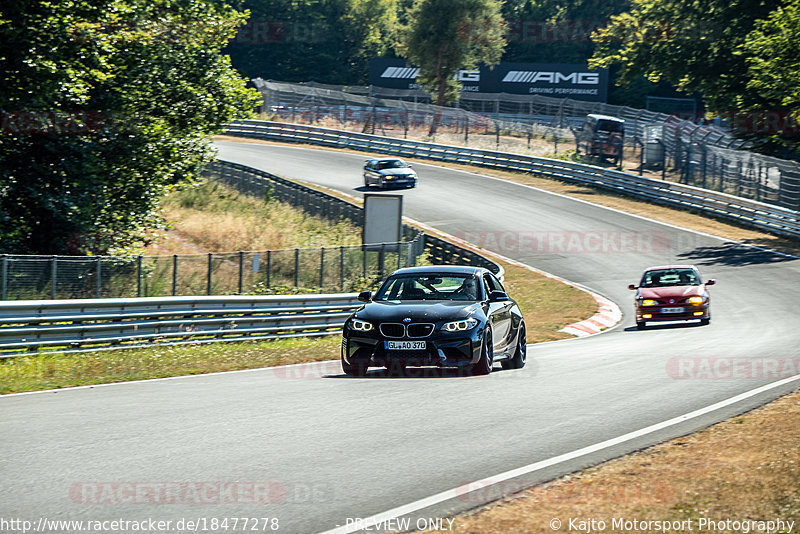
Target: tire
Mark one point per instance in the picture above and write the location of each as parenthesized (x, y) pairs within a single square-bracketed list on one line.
[(704, 322), (354, 369), (640, 325), (520, 352), (484, 365), (396, 368)]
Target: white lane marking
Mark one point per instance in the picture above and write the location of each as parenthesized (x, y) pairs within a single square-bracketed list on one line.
[(459, 491)]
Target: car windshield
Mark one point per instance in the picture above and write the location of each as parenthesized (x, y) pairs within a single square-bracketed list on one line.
[(392, 164), (670, 277), (429, 286), (605, 125)]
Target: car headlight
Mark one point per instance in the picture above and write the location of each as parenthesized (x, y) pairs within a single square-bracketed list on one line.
[(648, 302), (696, 300), (361, 326), (459, 326)]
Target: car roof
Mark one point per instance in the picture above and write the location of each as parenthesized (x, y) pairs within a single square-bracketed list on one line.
[(445, 269), (388, 159), (662, 267)]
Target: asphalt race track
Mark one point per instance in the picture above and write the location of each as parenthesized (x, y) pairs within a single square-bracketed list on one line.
[(329, 448)]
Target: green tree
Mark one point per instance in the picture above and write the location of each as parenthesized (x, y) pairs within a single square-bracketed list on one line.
[(443, 36), (772, 52), (106, 105), (327, 41), (695, 45)]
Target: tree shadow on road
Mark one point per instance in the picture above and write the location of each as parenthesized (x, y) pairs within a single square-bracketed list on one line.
[(732, 254)]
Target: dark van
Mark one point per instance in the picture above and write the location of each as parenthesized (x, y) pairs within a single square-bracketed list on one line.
[(601, 136)]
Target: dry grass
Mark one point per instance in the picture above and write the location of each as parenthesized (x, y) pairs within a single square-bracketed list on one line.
[(681, 218), (210, 217), (747, 468)]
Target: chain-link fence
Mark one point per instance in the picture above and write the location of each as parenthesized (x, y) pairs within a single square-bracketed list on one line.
[(298, 270), (655, 144)]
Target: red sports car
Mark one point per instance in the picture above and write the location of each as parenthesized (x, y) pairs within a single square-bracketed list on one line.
[(672, 293)]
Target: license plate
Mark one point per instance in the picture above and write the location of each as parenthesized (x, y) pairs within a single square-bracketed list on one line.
[(671, 310), (404, 345)]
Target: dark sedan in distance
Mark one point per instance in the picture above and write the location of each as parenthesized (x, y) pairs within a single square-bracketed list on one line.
[(672, 293), (389, 172), (443, 316)]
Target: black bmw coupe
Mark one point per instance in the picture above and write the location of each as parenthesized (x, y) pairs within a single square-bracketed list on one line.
[(444, 316)]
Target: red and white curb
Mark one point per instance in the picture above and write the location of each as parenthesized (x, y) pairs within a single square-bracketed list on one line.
[(608, 313)]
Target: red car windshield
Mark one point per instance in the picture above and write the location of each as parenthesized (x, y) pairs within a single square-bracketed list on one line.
[(670, 277)]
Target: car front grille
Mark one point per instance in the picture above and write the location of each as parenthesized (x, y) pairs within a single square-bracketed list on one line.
[(419, 330), (414, 330), (393, 329)]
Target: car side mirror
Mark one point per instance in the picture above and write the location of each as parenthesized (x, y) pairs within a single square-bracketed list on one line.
[(497, 296), (711, 282), (631, 286), (365, 296)]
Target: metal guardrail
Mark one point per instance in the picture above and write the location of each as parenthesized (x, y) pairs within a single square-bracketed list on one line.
[(31, 327), (774, 219)]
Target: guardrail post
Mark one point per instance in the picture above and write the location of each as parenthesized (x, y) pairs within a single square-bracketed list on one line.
[(241, 271), (364, 262), (269, 267), (208, 278), (382, 259), (341, 269), (99, 276), (297, 267), (704, 155), (4, 278), (174, 274), (321, 268), (53, 277), (139, 276)]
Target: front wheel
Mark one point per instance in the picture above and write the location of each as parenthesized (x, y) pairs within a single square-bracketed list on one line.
[(520, 353), (484, 364), (354, 369), (640, 325)]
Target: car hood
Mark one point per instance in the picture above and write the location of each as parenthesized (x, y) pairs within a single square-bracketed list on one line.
[(428, 311), (403, 171), (671, 292)]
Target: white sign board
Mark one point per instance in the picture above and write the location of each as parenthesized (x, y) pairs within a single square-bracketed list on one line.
[(383, 217)]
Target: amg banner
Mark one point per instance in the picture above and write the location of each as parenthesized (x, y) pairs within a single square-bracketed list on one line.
[(557, 80)]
